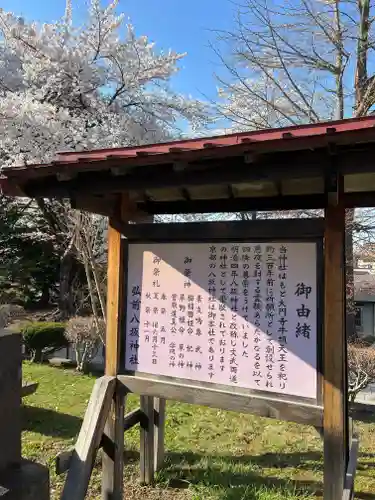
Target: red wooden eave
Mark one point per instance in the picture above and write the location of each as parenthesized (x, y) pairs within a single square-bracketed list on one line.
[(349, 131)]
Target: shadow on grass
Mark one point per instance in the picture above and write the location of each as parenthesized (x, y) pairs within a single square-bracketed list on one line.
[(239, 477), (49, 422)]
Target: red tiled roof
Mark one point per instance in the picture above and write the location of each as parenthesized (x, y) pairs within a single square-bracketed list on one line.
[(253, 137), (303, 137)]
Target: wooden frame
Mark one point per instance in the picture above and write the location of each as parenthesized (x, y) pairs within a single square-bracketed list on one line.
[(335, 416), (254, 231), (112, 475), (328, 411), (241, 401), (88, 442), (258, 230)]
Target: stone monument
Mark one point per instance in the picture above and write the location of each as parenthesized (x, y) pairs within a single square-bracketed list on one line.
[(19, 479)]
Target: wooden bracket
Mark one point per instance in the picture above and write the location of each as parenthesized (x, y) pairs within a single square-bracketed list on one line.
[(82, 459), (63, 459), (333, 187)]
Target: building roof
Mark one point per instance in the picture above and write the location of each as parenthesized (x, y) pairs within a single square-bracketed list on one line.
[(235, 171)]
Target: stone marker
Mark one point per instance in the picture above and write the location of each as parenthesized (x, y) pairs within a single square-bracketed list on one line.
[(19, 479)]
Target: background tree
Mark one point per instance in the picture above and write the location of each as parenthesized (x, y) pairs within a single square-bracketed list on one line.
[(86, 335), (299, 61), (64, 87), (29, 254), (361, 367)]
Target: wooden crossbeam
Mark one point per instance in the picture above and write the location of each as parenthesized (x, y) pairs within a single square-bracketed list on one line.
[(29, 388), (63, 459), (89, 438), (304, 413), (358, 411)]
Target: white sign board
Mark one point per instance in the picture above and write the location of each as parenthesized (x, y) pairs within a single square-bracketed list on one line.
[(238, 314)]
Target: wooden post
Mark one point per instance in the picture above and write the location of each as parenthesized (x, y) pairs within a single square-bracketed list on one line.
[(335, 417), (112, 480), (147, 441), (159, 414), (89, 438)]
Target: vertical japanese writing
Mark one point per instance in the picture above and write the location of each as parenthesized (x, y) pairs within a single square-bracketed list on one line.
[(257, 309), (282, 318), (238, 314), (233, 325), (190, 314), (270, 313), (223, 301), (245, 261), (188, 262), (133, 345), (198, 315), (172, 354), (181, 328), (303, 327), (153, 310), (181, 313), (173, 313), (212, 309)]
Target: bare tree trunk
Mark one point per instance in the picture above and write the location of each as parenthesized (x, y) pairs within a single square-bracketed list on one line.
[(91, 288), (362, 52), (66, 270), (340, 66), (349, 262), (95, 273)]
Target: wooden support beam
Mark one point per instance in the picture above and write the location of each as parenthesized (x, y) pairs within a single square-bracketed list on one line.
[(159, 421), (362, 412), (165, 176), (63, 459), (103, 205), (147, 441), (358, 411), (114, 297), (210, 231), (230, 399), (112, 475), (89, 438), (29, 388), (133, 418), (236, 204), (230, 204), (334, 363), (348, 493)]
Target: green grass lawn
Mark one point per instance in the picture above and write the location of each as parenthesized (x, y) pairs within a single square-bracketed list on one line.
[(211, 454)]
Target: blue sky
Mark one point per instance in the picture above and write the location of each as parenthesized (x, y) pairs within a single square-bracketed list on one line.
[(184, 26)]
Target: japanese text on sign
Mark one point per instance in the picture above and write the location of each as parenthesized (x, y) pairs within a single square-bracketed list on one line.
[(237, 314)]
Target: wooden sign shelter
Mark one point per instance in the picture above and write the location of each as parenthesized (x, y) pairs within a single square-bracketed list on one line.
[(329, 166)]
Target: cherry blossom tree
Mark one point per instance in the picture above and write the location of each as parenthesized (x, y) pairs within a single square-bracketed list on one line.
[(68, 87), (98, 85), (300, 61)]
